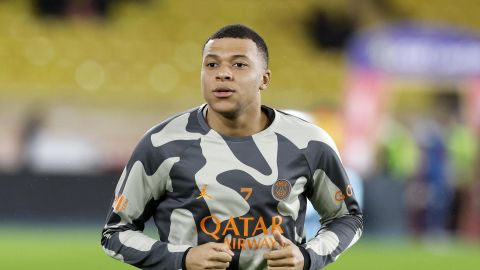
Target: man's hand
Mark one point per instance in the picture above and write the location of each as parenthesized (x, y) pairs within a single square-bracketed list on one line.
[(286, 255), (209, 256)]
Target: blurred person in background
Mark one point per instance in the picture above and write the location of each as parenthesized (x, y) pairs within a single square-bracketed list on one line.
[(44, 150), (432, 186), (469, 216), (226, 183), (33, 123), (462, 147), (438, 179), (399, 150)]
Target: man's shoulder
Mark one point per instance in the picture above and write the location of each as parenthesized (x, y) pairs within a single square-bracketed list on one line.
[(184, 122), (301, 131), (177, 128)]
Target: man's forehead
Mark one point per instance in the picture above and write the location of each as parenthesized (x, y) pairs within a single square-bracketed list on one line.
[(230, 46)]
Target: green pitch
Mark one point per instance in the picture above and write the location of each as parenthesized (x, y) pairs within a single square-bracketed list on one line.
[(44, 248)]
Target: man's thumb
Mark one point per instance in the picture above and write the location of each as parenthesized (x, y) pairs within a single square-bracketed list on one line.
[(223, 247), (279, 238)]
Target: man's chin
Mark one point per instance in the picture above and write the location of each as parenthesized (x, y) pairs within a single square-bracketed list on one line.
[(224, 109)]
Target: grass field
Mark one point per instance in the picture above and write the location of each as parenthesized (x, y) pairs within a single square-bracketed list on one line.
[(61, 248)]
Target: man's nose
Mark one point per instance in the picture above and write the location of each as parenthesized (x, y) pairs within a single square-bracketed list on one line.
[(224, 74)]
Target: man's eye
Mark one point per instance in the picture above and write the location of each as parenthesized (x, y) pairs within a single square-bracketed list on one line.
[(211, 65), (240, 65)]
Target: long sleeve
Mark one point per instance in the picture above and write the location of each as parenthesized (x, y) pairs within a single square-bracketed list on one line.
[(138, 193), (332, 196)]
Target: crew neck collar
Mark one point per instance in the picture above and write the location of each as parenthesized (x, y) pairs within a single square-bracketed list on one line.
[(272, 119)]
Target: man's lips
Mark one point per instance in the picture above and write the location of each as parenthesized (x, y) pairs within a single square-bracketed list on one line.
[(223, 92)]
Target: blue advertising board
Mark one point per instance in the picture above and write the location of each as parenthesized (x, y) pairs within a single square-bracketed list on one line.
[(417, 50)]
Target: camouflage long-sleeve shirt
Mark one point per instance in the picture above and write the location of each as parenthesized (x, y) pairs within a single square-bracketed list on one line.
[(200, 186)]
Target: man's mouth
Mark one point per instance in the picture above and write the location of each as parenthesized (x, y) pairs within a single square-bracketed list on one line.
[(222, 92)]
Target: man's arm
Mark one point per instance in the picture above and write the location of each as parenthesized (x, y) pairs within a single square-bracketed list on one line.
[(332, 196), (137, 196), (138, 192)]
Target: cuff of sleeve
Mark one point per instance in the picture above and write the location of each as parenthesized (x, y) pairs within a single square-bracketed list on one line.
[(184, 259), (306, 258)]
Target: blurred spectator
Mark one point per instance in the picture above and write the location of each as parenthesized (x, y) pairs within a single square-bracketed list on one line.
[(47, 152), (432, 185), (78, 8), (33, 122), (400, 156), (469, 222), (462, 146)]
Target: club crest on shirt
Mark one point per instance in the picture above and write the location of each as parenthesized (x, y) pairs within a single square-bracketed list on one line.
[(281, 189)]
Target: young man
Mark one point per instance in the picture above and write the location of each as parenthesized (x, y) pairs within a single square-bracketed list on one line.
[(226, 183)]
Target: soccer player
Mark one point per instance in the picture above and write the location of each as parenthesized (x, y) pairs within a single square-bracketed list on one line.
[(227, 182)]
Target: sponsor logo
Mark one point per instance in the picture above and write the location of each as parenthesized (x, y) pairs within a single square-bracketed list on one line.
[(251, 243), (242, 231), (203, 193), (120, 203), (281, 189), (339, 196)]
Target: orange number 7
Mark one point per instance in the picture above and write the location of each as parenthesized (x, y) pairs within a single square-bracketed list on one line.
[(248, 191)]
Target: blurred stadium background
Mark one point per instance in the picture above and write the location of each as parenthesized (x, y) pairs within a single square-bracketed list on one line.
[(396, 82)]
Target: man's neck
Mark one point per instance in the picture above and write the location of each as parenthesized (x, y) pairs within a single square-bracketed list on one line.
[(245, 124)]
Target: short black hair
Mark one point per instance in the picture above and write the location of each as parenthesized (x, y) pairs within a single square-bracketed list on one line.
[(243, 32)]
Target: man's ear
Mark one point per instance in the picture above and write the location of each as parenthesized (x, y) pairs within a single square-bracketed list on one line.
[(266, 79)]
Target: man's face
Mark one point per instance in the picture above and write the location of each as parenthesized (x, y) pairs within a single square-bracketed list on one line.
[(233, 73)]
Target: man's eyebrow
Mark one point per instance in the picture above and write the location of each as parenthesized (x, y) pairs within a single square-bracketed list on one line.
[(235, 56), (240, 56)]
